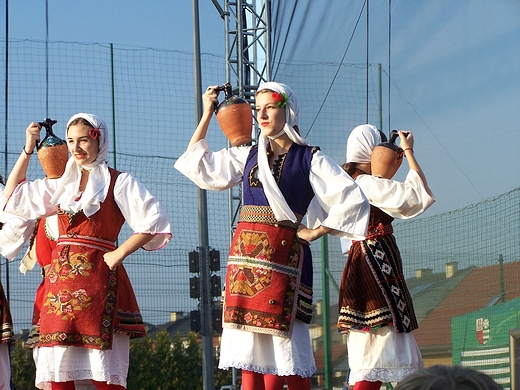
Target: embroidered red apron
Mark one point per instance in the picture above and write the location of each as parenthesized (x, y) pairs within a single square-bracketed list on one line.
[(263, 275)]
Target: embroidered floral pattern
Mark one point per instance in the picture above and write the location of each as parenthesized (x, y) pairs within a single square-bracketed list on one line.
[(254, 244), (66, 266), (66, 303), (248, 281), (251, 319)]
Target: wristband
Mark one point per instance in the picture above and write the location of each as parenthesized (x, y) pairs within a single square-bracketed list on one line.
[(25, 151)]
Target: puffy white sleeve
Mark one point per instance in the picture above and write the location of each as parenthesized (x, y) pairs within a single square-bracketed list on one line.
[(31, 199), (345, 245), (142, 211), (401, 200), (213, 170), (338, 203), (14, 234)]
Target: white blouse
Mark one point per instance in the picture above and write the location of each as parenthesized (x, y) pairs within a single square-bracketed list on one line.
[(15, 232), (141, 210), (338, 204), (402, 200)]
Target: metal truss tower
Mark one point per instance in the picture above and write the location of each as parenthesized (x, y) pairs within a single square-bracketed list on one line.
[(248, 45)]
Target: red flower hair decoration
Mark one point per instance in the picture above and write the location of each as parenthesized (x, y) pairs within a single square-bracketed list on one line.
[(281, 99), (94, 133)]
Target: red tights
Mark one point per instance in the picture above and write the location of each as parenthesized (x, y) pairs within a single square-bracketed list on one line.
[(256, 381), (99, 385), (366, 385)]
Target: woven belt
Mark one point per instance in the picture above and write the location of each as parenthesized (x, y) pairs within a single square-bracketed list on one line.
[(264, 214), (379, 230), (91, 242)]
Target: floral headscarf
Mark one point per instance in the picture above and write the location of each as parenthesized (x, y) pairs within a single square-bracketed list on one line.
[(67, 195), (278, 204)]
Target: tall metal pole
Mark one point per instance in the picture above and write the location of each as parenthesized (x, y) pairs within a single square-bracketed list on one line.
[(367, 63), (47, 58), (327, 351), (208, 378), (389, 61), (6, 112), (113, 85), (380, 98), (502, 286)]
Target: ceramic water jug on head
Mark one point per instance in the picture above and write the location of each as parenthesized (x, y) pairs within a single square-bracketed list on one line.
[(387, 157), (235, 117), (52, 151)]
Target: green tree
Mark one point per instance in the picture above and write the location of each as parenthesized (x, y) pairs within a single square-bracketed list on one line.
[(140, 372), (160, 364), (166, 364), (188, 359), (162, 361), (23, 370), (222, 377)]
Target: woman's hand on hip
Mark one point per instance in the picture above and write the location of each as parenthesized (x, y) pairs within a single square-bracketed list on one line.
[(113, 259)]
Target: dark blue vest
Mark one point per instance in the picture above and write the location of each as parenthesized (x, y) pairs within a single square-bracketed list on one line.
[(293, 181)]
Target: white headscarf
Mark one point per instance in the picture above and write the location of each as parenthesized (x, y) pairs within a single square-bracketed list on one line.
[(361, 142), (99, 178), (274, 196)]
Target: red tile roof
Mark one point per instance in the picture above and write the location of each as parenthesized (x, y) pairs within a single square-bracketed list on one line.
[(473, 293)]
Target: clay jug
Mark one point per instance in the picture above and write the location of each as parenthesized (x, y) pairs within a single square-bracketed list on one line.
[(387, 158), (52, 151), (235, 117)]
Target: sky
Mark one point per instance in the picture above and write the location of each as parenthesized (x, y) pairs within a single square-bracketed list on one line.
[(454, 70), (454, 83)]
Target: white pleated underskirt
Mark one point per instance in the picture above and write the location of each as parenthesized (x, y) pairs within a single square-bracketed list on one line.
[(382, 355), (63, 364), (267, 354)]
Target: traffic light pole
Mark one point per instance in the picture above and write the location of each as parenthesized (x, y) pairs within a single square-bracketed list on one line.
[(208, 377), (206, 308)]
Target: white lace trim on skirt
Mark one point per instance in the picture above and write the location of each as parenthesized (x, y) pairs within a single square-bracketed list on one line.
[(382, 355), (268, 354), (63, 364)]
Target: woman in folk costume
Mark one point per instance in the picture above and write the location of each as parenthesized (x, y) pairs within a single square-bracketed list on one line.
[(376, 312), (89, 311), (14, 232), (268, 290)]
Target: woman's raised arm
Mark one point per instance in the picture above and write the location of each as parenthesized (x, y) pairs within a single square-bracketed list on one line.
[(19, 171)]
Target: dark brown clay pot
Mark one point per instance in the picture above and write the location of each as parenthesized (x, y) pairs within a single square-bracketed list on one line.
[(235, 117), (52, 152)]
